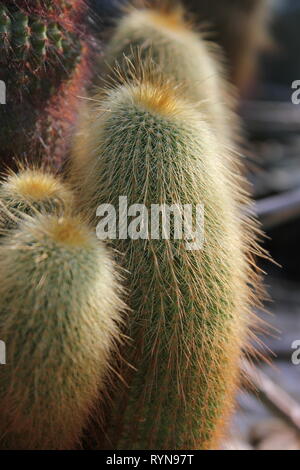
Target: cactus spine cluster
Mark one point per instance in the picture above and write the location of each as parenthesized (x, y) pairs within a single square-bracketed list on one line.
[(59, 315), (190, 319), (30, 191), (44, 63)]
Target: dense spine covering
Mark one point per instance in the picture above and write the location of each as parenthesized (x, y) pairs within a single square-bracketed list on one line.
[(180, 53), (239, 27), (44, 50), (163, 135), (59, 315), (191, 309)]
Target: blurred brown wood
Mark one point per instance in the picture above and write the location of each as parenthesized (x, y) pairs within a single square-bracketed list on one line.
[(273, 396)]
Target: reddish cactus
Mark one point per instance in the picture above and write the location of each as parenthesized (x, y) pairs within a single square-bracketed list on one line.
[(44, 64)]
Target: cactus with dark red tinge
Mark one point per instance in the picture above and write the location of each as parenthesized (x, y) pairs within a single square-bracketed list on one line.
[(44, 64)]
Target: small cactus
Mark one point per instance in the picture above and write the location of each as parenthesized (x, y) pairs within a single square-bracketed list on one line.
[(190, 315), (59, 315), (30, 191)]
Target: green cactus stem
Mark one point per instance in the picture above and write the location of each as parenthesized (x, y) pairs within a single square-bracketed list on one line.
[(190, 308), (180, 53), (59, 318)]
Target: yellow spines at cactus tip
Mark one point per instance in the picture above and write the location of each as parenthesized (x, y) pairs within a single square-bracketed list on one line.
[(180, 53), (31, 190)]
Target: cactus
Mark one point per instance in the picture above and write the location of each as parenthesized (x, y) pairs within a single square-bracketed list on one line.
[(163, 33), (32, 190), (44, 54), (30, 37), (59, 315), (163, 134), (238, 26), (190, 317)]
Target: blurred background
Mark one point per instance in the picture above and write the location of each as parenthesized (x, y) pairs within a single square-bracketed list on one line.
[(270, 418), (268, 415)]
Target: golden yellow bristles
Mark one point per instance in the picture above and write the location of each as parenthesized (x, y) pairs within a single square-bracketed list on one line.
[(158, 98), (34, 185), (66, 230)]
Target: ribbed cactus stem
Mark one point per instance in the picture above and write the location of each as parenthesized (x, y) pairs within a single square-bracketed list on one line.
[(44, 50), (190, 309), (39, 38), (20, 33), (59, 318), (55, 35), (4, 31), (4, 20)]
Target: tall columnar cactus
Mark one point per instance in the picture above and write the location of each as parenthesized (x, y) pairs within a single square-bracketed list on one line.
[(190, 309), (181, 53), (44, 63), (59, 314), (30, 191)]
